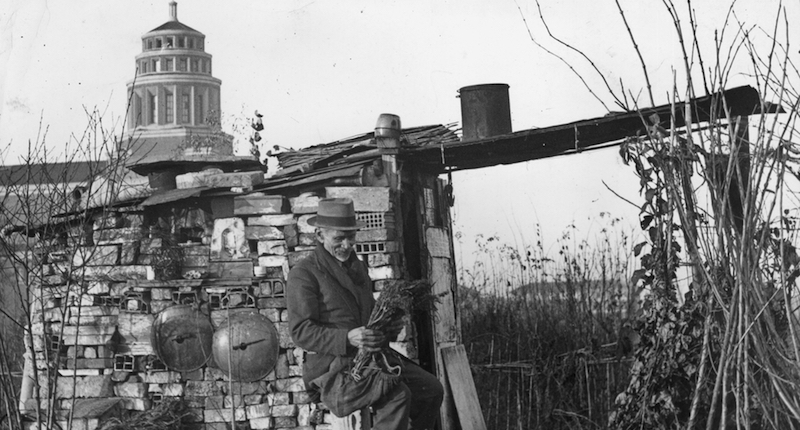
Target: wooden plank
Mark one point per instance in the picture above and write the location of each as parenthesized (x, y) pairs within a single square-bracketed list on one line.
[(462, 387), (438, 242), (446, 327), (447, 413)]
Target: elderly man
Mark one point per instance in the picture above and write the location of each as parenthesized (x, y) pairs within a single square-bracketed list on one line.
[(329, 296)]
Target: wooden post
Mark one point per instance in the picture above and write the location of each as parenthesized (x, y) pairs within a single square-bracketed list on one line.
[(740, 179)]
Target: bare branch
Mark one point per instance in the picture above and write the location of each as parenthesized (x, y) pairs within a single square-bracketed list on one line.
[(566, 63), (638, 53)]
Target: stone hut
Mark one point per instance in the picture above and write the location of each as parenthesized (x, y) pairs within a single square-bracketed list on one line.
[(133, 291)]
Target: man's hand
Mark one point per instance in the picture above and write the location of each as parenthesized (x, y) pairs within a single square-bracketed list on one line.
[(393, 330), (370, 340)]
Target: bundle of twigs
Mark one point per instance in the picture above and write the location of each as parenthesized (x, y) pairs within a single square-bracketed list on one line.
[(168, 414), (397, 299)]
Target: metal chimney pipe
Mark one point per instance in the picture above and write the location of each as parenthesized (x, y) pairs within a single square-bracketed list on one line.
[(485, 111), (387, 131)]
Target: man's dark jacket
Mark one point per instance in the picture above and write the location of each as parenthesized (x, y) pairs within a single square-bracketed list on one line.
[(325, 302)]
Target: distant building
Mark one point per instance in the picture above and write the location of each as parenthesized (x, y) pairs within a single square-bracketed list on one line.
[(174, 100)]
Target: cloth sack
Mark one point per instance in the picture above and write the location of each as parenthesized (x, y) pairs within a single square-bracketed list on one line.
[(343, 394)]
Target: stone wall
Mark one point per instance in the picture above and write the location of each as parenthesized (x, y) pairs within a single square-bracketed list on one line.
[(101, 293)]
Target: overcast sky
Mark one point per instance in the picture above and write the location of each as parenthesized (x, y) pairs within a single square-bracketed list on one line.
[(324, 70)]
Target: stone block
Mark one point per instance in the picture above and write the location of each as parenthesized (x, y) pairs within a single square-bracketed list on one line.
[(280, 399), (262, 232), (160, 377), (274, 220), (102, 320), (231, 269), (303, 226), (196, 250), (261, 410), (117, 236), (246, 388), (173, 390), (285, 422), (90, 363), (273, 260), (384, 272), (237, 179), (304, 413), (135, 328), (284, 411), (253, 204), (224, 415), (198, 260), (131, 389), (261, 423), (203, 388), (116, 273), (304, 397), (290, 385), (98, 287), (272, 303), (365, 199), (195, 179), (91, 386), (106, 255), (99, 339), (307, 239), (87, 330), (271, 247), (282, 367), (305, 204)]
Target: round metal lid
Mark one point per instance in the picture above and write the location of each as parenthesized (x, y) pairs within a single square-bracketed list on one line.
[(246, 346), (182, 338)]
